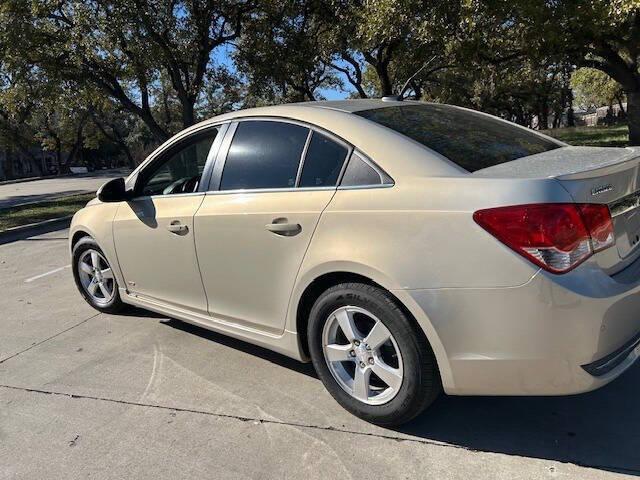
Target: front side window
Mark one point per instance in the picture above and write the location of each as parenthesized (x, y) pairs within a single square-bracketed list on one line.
[(179, 170), (469, 139), (323, 162), (264, 154)]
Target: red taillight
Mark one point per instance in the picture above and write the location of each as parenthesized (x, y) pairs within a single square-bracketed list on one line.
[(556, 236)]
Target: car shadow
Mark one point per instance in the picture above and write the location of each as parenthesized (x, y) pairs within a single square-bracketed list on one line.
[(599, 429), (255, 350)]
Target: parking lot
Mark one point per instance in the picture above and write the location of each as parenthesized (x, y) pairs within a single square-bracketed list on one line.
[(139, 395)]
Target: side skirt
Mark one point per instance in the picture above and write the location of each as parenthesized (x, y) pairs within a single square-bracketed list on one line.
[(287, 344)]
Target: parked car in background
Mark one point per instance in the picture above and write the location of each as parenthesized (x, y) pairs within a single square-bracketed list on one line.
[(402, 247)]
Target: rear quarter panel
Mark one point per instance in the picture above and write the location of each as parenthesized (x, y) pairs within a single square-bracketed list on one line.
[(420, 234)]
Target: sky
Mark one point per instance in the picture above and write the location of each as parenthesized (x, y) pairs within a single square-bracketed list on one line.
[(222, 56)]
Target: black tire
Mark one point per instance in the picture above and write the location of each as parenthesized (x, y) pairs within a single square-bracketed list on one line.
[(421, 383), (115, 305)]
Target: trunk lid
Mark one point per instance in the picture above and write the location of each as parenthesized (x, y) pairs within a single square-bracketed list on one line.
[(591, 175)]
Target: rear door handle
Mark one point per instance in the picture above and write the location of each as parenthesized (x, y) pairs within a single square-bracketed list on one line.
[(281, 227), (177, 228)]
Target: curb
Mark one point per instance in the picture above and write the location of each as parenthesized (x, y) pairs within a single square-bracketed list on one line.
[(25, 231)]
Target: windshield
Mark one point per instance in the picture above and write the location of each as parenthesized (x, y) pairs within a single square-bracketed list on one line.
[(470, 140)]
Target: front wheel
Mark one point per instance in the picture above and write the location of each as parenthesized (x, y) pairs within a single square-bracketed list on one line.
[(94, 277), (370, 356)]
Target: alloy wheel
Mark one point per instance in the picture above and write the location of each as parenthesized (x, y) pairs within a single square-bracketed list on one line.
[(96, 277), (362, 355)]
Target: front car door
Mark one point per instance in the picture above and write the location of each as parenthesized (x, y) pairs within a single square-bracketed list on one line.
[(153, 233), (270, 186)]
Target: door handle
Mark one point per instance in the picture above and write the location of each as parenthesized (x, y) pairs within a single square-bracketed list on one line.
[(281, 227), (177, 228)]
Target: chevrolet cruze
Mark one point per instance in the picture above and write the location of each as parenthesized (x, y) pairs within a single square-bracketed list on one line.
[(404, 248)]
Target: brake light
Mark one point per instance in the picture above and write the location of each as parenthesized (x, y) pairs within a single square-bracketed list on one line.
[(556, 236)]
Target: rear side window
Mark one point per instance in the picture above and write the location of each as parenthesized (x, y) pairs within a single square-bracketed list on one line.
[(264, 154), (323, 162), (469, 139), (360, 173)]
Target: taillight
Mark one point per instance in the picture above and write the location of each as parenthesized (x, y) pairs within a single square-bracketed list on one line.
[(556, 236)]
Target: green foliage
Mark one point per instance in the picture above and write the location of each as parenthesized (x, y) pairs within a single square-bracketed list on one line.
[(127, 74), (595, 88)]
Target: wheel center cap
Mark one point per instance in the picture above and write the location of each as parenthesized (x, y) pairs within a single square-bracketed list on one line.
[(362, 354)]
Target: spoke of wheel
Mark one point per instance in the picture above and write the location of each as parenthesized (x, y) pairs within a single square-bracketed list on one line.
[(86, 268), (107, 273), (345, 319), (338, 353), (95, 260), (390, 376), (377, 336), (93, 286), (105, 291), (361, 383)]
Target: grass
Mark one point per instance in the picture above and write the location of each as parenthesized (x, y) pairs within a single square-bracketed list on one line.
[(38, 212), (615, 136)]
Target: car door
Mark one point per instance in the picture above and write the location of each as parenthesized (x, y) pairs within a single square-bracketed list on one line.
[(153, 232), (270, 185)]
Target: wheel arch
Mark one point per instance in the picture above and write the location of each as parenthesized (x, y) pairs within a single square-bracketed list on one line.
[(321, 279), (77, 236)]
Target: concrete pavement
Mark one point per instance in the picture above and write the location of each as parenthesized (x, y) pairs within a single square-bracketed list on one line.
[(13, 194), (142, 396)]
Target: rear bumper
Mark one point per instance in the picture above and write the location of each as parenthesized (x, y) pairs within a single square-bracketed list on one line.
[(555, 335)]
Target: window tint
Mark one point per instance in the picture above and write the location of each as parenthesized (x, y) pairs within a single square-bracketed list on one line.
[(180, 169), (323, 162), (359, 172), (264, 154), (469, 139)]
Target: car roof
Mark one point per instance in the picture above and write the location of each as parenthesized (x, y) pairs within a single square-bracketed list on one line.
[(357, 105), (396, 154)]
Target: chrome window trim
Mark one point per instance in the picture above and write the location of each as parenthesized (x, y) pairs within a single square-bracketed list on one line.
[(221, 159), (300, 123), (196, 130), (366, 187), (303, 157), (240, 191), (211, 158), (132, 179), (173, 195)]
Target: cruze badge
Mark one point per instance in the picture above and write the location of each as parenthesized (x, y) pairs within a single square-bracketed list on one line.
[(601, 189)]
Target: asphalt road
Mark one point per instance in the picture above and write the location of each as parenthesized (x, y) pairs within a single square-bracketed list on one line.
[(139, 396), (13, 194)]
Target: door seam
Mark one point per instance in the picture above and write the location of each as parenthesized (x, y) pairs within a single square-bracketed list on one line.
[(304, 256)]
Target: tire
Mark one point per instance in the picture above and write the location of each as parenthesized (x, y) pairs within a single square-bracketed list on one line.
[(83, 250), (406, 353)]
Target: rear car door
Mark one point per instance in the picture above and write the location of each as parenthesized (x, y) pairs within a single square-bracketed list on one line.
[(153, 232), (269, 187)]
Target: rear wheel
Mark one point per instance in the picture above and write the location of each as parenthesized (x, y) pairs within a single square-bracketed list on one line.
[(94, 277), (370, 356)]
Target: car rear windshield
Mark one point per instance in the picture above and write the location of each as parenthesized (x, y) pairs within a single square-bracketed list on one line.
[(470, 140)]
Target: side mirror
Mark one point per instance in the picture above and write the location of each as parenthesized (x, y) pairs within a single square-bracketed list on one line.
[(113, 191)]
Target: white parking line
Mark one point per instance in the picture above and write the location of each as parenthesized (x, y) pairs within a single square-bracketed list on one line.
[(29, 280)]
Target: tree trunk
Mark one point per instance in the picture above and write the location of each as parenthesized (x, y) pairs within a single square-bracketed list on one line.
[(633, 116), (621, 105), (188, 114), (571, 118)]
